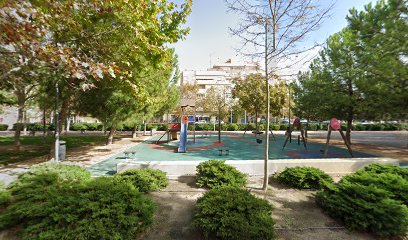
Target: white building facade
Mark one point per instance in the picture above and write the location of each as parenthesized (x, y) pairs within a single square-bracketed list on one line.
[(219, 76)]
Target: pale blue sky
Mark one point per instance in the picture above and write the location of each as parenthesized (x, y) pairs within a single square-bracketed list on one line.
[(209, 35)]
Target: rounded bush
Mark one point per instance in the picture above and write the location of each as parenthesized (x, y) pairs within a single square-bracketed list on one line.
[(232, 127), (5, 195), (54, 207), (283, 127), (145, 179), (3, 127), (216, 173), (303, 177), (359, 127), (78, 127), (377, 127), (276, 127), (372, 199), (93, 126), (313, 127), (234, 214)]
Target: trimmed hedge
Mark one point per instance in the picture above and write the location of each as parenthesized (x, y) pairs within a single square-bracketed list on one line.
[(373, 199), (145, 179), (3, 127), (78, 127), (233, 214), (5, 195), (216, 173), (62, 202), (303, 177)]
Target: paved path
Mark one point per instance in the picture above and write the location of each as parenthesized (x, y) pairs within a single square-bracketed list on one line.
[(397, 139)]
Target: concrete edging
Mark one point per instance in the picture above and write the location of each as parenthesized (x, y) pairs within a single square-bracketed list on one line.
[(176, 169)]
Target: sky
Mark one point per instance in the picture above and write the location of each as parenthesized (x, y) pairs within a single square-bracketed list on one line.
[(210, 41)]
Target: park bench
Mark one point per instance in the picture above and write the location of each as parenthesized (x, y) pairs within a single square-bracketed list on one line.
[(128, 153)]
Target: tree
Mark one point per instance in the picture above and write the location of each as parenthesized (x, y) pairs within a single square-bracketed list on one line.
[(81, 43), (251, 95), (215, 101), (361, 72), (291, 21), (380, 48)]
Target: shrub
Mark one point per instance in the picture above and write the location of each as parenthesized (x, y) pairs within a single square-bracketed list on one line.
[(283, 127), (78, 127), (3, 127), (145, 179), (392, 127), (241, 126), (387, 168), (313, 127), (36, 126), (93, 126), (233, 213), (5, 195), (276, 127), (216, 173), (376, 127), (61, 173), (232, 127), (371, 199), (93, 209), (359, 127), (303, 177)]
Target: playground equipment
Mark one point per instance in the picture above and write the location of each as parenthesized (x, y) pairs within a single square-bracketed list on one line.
[(173, 129), (258, 133), (183, 135), (296, 126), (181, 127), (336, 126)]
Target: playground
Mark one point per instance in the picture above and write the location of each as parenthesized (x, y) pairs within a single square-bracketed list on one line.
[(207, 146)]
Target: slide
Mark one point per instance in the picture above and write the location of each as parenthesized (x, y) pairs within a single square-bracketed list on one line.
[(183, 135)]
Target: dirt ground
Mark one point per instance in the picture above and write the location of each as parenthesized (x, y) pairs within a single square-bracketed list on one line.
[(296, 214)]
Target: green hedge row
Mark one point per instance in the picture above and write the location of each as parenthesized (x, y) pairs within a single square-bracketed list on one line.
[(64, 202), (210, 127), (3, 127), (373, 199)]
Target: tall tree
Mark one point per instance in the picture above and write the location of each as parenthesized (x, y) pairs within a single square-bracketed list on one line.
[(83, 42), (380, 49), (251, 95), (289, 23), (362, 71)]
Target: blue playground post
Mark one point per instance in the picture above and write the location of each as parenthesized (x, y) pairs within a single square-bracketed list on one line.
[(183, 135)]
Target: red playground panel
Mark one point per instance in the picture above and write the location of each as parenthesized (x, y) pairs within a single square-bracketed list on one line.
[(174, 127)]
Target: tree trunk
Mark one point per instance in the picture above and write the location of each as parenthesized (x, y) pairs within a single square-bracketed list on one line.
[(350, 113), (256, 122), (111, 134), (348, 129), (19, 127), (68, 124), (63, 114), (21, 98), (134, 131)]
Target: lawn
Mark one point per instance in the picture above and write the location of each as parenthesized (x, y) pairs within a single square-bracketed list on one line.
[(37, 146)]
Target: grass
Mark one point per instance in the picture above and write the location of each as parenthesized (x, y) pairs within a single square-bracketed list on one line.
[(37, 146)]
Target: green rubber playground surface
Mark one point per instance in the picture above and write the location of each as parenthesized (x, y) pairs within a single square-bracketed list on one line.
[(207, 147)]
